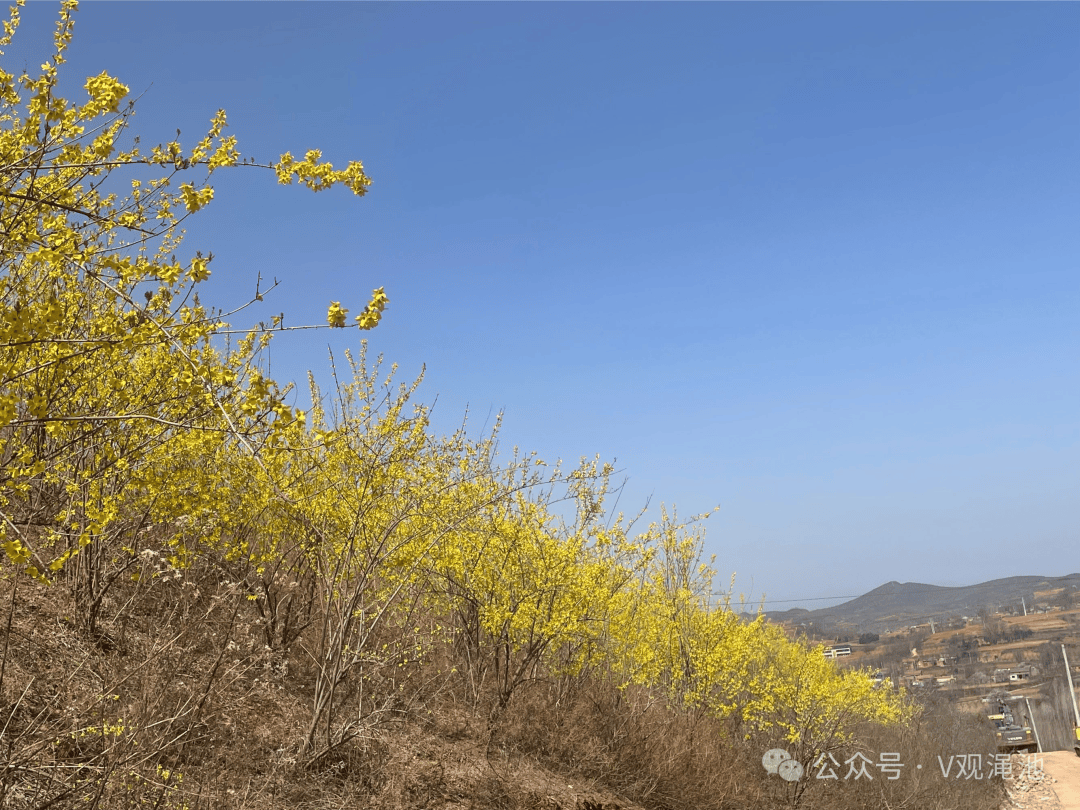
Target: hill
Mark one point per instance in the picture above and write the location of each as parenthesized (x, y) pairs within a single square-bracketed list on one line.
[(899, 603)]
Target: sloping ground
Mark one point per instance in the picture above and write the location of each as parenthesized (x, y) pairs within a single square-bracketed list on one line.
[(242, 751), (236, 738), (1064, 768), (1031, 789), (1037, 622)]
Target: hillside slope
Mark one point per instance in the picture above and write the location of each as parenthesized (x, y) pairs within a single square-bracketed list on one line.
[(896, 603)]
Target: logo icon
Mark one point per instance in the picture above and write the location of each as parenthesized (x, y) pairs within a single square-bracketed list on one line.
[(779, 761)]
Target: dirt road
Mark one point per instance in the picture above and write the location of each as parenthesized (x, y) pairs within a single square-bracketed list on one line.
[(1064, 767)]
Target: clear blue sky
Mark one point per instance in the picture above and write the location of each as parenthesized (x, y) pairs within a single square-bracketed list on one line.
[(816, 264)]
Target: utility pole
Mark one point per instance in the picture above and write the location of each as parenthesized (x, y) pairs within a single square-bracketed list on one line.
[(1069, 683), (1031, 719)]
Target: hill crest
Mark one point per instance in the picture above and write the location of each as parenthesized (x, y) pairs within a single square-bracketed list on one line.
[(897, 603)]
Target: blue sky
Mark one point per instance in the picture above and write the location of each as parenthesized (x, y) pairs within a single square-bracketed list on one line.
[(813, 263)]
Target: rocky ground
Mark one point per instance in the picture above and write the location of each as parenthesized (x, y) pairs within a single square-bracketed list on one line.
[(1055, 785)]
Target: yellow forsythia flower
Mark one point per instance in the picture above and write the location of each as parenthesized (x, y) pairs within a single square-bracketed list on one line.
[(106, 93), (335, 316), (369, 318), (199, 271)]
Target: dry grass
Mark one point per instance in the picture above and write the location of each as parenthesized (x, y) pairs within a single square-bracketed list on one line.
[(1058, 620), (199, 713)]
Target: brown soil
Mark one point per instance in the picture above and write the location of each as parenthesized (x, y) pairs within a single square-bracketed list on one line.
[(1064, 768)]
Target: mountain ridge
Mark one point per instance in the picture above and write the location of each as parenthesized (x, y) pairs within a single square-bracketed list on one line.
[(896, 603)]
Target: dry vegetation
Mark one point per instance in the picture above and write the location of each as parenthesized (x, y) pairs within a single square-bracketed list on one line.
[(220, 723)]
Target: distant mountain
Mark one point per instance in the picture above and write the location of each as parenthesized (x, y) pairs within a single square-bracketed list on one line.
[(898, 603)]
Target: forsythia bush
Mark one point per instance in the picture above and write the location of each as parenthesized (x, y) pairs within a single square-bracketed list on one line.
[(108, 372), (127, 424)]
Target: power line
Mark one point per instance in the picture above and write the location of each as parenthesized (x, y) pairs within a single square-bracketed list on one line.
[(811, 599), (785, 601)]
